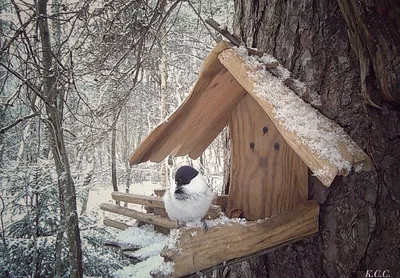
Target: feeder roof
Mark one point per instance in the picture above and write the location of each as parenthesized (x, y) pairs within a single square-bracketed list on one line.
[(227, 75)]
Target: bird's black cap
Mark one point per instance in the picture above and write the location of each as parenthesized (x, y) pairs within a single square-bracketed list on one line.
[(185, 174)]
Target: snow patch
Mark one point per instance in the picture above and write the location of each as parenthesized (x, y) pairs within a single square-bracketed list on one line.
[(150, 244), (220, 221), (174, 236)]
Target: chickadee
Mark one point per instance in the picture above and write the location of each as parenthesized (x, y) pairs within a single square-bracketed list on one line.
[(189, 198)]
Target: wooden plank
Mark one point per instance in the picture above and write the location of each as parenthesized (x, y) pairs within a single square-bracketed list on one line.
[(222, 201), (197, 250), (267, 177), (145, 217), (161, 211), (150, 201), (121, 246), (161, 141), (322, 168), (115, 224), (210, 115)]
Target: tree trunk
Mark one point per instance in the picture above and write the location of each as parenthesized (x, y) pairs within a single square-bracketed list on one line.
[(163, 92), (127, 146), (114, 178), (348, 53), (54, 125)]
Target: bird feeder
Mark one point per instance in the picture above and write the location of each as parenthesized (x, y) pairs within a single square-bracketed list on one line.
[(271, 155)]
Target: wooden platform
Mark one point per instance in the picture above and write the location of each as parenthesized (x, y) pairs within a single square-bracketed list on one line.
[(197, 250)]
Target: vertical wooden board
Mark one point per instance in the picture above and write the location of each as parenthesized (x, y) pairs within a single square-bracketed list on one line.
[(269, 178)]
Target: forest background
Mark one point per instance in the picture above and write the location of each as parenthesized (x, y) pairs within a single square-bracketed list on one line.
[(81, 84)]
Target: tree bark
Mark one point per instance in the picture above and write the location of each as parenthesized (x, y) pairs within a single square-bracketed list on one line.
[(347, 52), (54, 124), (114, 178), (163, 92)]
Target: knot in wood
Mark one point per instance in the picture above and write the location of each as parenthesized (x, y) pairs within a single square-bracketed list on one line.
[(265, 129), (276, 146), (252, 145)]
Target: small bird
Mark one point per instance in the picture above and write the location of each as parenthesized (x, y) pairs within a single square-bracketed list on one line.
[(189, 198)]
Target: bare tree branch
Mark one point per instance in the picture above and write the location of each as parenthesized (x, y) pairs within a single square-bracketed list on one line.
[(4, 129)]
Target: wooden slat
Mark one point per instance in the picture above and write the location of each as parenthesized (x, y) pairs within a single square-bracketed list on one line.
[(122, 246), (197, 250), (210, 115), (162, 141), (323, 169), (155, 202), (269, 178), (222, 201), (145, 217), (161, 211), (115, 224)]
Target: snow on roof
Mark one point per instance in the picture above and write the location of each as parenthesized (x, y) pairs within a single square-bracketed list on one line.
[(319, 136), (227, 75), (296, 115)]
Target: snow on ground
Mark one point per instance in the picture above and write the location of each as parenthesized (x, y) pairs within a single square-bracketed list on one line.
[(143, 269), (151, 244)]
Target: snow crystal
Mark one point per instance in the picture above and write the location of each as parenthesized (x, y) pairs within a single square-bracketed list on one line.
[(297, 116), (193, 233), (174, 236), (221, 220)]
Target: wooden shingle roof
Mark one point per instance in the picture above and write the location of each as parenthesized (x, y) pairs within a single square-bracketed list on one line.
[(225, 78)]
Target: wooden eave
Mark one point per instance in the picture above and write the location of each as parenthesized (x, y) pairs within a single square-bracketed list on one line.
[(200, 118), (224, 80)]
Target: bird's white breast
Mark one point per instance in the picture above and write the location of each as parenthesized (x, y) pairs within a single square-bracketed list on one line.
[(195, 206)]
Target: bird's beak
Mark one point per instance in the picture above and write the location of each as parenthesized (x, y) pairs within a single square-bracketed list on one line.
[(178, 188)]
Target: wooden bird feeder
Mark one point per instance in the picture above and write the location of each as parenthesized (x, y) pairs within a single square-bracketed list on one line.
[(270, 160)]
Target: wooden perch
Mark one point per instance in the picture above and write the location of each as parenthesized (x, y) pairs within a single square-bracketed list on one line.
[(197, 250), (156, 202), (148, 218), (121, 246), (115, 224)]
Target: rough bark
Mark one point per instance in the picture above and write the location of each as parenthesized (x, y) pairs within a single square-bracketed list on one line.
[(348, 53)]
